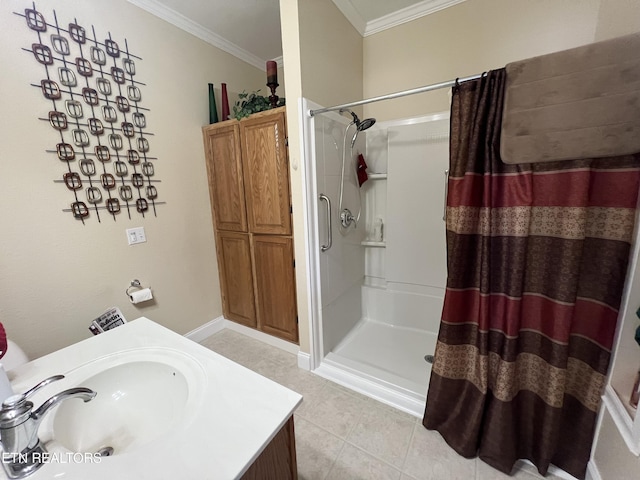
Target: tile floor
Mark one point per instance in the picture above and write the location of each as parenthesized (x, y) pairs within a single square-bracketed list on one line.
[(342, 435)]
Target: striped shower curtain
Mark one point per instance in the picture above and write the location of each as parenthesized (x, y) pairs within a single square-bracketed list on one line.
[(537, 257)]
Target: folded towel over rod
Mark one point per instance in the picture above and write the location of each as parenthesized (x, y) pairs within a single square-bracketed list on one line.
[(577, 103)]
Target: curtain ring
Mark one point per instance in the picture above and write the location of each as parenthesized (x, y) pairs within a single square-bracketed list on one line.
[(456, 85)]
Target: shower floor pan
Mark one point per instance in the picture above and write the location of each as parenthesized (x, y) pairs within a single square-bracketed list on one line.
[(384, 362)]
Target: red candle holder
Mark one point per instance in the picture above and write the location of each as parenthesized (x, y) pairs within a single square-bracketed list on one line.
[(273, 98), (272, 82)]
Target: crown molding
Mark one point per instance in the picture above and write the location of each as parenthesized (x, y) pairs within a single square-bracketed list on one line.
[(189, 26), (351, 14), (279, 60), (394, 19), (426, 7)]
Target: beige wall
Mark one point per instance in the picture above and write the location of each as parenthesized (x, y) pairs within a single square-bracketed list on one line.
[(56, 275), (323, 62), (330, 54), (466, 39), (617, 17), (293, 91)]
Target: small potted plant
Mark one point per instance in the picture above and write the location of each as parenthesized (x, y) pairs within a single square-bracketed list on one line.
[(249, 103)]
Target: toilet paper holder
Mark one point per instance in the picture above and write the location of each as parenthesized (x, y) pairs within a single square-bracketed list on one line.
[(135, 284), (137, 293)]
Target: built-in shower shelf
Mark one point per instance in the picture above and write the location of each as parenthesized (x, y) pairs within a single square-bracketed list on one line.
[(373, 244), (377, 176)]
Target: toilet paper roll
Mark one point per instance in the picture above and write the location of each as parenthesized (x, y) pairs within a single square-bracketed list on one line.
[(143, 295)]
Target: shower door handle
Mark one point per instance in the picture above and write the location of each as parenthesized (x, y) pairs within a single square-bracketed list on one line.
[(324, 248), (446, 194)]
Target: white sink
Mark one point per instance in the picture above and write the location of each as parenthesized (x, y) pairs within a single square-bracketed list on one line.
[(136, 403), (168, 407), (142, 395)]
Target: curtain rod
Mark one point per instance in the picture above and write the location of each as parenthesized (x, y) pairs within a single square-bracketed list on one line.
[(389, 96)]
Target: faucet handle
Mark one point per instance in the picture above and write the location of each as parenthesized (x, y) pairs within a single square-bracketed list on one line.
[(19, 398), (16, 409)]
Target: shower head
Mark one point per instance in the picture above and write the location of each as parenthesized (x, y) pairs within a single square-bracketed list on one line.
[(360, 124), (364, 124)]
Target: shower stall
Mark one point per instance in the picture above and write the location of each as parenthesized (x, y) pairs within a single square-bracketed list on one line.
[(377, 284)]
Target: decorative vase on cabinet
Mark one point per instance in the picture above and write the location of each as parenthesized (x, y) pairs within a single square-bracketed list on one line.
[(248, 172)]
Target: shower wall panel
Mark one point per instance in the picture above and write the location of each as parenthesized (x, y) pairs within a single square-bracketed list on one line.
[(416, 247), (404, 282)]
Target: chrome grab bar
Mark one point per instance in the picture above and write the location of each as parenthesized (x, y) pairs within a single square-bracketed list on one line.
[(446, 194), (324, 248)]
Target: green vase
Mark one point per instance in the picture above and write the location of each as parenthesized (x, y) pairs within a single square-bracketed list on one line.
[(213, 112)]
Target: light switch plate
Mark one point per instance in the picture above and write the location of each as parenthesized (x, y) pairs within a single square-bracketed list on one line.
[(136, 235)]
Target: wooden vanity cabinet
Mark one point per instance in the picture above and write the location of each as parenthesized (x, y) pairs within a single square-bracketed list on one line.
[(248, 172), (278, 460)]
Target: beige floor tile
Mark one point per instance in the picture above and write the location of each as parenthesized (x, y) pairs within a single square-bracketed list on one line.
[(237, 347), (376, 434), (354, 464), (487, 472), (430, 458), (316, 449), (521, 471), (307, 384), (218, 342), (392, 410), (264, 366), (384, 433), (336, 411), (349, 391)]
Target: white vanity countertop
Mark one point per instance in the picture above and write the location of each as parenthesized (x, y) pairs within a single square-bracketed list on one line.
[(234, 411)]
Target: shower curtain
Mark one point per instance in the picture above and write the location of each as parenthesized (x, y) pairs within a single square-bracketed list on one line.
[(537, 256)]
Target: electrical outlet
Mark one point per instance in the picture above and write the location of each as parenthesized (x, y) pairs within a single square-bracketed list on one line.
[(136, 235)]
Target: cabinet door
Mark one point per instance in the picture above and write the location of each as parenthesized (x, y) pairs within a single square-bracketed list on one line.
[(266, 173), (226, 183), (275, 286), (236, 279), (278, 459)]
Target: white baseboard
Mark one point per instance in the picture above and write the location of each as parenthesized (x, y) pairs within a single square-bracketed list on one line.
[(206, 330), (343, 376), (262, 337), (304, 361), (218, 324)]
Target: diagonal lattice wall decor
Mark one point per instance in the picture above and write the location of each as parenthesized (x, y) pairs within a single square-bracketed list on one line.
[(96, 107)]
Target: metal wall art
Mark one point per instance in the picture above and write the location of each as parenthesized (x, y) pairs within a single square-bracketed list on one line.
[(96, 107)]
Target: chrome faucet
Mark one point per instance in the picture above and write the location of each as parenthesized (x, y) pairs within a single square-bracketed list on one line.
[(22, 452)]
